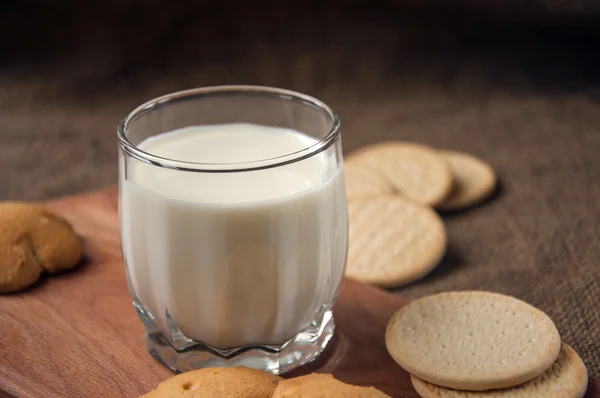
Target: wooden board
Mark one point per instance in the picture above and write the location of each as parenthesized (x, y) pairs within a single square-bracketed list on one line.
[(77, 334)]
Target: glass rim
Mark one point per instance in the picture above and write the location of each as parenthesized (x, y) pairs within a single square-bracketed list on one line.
[(227, 167)]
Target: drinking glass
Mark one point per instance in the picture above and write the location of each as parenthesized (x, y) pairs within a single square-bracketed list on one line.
[(221, 270)]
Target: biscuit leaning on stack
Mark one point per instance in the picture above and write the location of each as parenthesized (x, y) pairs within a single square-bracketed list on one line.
[(395, 236), (242, 382), (481, 344)]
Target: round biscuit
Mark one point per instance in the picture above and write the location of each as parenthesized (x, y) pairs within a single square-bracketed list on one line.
[(317, 385), (474, 180), (472, 340), (415, 171), (236, 382), (566, 378), (393, 241), (362, 181)]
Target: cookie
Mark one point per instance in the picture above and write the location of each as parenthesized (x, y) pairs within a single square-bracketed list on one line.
[(238, 382), (472, 340), (322, 386), (33, 240), (415, 171), (18, 266), (393, 241), (566, 378), (474, 181), (363, 182)]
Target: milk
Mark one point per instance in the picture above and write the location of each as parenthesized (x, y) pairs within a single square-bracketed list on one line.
[(234, 259)]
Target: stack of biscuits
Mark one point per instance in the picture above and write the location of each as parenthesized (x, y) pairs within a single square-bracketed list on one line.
[(479, 344), (393, 189)]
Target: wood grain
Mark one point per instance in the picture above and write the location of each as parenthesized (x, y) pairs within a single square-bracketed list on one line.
[(77, 334)]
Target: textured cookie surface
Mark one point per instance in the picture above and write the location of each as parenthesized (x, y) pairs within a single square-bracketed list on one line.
[(323, 386), (238, 382), (33, 240), (472, 340), (393, 241), (416, 171), (566, 378), (474, 180), (362, 181)]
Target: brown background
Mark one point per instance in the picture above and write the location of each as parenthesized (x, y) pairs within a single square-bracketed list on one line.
[(518, 86)]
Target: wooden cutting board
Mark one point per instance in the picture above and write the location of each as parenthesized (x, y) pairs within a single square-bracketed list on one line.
[(77, 334)]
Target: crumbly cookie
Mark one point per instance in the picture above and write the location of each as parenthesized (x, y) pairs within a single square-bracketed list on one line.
[(474, 181), (238, 382), (566, 378), (362, 181), (472, 340), (393, 241), (322, 386), (415, 171), (33, 240)]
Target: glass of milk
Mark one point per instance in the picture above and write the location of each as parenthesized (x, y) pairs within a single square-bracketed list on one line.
[(234, 225)]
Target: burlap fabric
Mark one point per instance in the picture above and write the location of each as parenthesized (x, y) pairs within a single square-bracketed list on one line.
[(526, 100)]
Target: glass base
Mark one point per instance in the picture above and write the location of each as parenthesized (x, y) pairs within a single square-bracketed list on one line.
[(303, 348)]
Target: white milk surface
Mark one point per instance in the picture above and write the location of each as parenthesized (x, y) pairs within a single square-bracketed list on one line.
[(234, 258)]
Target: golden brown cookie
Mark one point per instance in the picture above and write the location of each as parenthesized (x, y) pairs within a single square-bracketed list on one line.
[(33, 240), (322, 386), (474, 180), (238, 382), (415, 171)]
